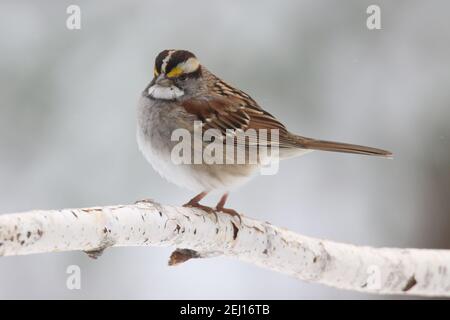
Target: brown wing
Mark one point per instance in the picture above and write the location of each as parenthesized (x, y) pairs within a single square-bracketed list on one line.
[(233, 113), (226, 107)]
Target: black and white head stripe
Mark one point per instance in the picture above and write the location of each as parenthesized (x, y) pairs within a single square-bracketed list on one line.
[(161, 60), (176, 62)]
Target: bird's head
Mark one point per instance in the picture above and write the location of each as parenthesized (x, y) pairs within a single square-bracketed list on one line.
[(177, 74)]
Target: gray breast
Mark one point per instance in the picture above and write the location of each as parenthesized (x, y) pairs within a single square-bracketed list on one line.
[(158, 119)]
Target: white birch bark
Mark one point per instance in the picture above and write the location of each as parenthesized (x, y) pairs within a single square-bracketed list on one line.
[(420, 272)]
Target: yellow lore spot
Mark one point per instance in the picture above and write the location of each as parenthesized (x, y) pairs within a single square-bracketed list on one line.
[(189, 66), (175, 72)]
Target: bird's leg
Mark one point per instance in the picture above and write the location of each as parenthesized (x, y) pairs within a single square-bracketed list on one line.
[(195, 203), (231, 212), (195, 200)]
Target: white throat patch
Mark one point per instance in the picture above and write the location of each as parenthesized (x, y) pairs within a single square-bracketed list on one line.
[(167, 93)]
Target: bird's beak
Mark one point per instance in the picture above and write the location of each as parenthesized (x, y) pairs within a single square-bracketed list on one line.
[(163, 81)]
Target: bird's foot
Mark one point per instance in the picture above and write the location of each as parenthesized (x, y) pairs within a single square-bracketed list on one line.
[(220, 207), (193, 204), (230, 212)]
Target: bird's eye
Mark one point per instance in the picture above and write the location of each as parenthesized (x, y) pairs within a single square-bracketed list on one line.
[(182, 77)]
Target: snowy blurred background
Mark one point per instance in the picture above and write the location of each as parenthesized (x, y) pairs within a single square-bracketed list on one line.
[(67, 130)]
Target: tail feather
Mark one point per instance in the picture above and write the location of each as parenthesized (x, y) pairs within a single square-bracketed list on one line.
[(308, 143)]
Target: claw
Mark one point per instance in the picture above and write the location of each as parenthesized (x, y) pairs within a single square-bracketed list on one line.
[(194, 203), (231, 212), (207, 209)]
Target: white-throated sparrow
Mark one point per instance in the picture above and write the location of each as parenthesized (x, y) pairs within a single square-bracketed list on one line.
[(182, 92)]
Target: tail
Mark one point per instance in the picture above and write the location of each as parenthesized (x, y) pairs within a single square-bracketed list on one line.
[(308, 143)]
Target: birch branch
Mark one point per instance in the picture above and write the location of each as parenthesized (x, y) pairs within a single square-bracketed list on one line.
[(377, 270)]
